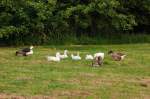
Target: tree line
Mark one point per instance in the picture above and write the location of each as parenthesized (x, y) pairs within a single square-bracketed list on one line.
[(53, 21)]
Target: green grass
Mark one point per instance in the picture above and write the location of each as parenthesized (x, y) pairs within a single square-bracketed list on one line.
[(35, 76)]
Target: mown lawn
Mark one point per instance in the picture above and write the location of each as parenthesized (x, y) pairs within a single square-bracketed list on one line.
[(35, 76)]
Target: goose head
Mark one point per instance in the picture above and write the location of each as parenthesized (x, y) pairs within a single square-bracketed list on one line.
[(65, 52), (31, 47), (110, 52), (57, 54)]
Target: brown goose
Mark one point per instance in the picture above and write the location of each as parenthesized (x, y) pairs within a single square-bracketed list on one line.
[(97, 61), (25, 51), (117, 56)]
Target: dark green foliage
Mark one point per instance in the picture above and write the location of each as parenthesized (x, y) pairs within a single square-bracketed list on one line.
[(64, 21)]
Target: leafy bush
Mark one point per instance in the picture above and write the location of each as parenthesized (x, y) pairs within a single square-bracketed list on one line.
[(72, 21)]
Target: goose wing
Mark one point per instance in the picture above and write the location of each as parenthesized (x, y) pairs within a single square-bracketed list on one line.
[(26, 49), (116, 57), (120, 54)]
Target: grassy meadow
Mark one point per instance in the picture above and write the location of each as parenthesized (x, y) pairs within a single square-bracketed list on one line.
[(34, 76)]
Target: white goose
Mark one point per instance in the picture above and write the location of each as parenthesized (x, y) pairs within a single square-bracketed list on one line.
[(77, 57), (54, 58), (99, 54), (89, 57), (64, 55)]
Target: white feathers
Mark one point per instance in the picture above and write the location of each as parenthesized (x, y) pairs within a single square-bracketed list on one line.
[(58, 56), (122, 57), (89, 57), (77, 57), (30, 52), (54, 58), (64, 55), (99, 54)]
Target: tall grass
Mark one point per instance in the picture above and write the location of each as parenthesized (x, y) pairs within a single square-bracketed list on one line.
[(114, 39), (66, 39)]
